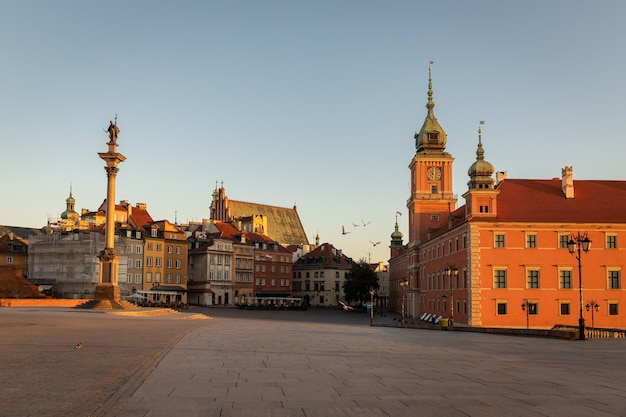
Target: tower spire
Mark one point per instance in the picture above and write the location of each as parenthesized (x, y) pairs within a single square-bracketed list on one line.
[(480, 172), (431, 139), (430, 105)]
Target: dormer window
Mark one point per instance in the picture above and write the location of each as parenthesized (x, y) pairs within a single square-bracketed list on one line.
[(433, 136)]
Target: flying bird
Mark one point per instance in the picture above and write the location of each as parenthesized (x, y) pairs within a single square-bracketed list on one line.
[(365, 224), (78, 345), (343, 230), (355, 225), (374, 243), (345, 306)]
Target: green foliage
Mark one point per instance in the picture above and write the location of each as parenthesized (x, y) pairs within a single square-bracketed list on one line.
[(359, 281)]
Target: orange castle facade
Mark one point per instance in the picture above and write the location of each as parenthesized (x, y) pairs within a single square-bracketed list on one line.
[(507, 246)]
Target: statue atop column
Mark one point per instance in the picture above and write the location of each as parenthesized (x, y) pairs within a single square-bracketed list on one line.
[(113, 130)]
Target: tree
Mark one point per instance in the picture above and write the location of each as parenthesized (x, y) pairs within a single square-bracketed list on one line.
[(359, 281)]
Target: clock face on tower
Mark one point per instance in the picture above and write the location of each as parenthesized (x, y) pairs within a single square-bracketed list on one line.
[(434, 173)]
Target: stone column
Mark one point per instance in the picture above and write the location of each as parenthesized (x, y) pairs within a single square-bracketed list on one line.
[(107, 288)]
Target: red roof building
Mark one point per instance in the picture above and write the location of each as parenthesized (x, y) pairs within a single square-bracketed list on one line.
[(502, 259)]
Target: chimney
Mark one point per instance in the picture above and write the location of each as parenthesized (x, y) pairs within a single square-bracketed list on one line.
[(500, 176), (567, 181)]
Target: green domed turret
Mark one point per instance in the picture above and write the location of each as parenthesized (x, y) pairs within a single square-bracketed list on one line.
[(481, 171)]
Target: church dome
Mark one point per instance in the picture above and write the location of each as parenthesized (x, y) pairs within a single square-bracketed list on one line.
[(69, 213)]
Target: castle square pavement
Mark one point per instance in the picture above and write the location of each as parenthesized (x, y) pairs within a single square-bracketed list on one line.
[(238, 363)]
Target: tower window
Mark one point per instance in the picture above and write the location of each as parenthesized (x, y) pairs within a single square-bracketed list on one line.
[(433, 189), (433, 136)]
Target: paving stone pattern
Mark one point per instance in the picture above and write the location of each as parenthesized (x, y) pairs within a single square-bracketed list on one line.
[(305, 364)]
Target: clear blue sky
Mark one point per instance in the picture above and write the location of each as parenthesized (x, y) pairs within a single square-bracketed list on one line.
[(312, 103)]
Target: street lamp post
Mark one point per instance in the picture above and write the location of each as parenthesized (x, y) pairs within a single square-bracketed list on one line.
[(451, 272), (372, 292), (526, 308), (403, 285), (575, 244), (592, 306)]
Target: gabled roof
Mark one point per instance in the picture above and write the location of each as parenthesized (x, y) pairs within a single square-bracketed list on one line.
[(595, 201), (326, 255), (227, 230), (7, 245), (283, 224), (22, 232)]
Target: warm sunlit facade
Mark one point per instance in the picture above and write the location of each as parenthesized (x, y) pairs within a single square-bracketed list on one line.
[(508, 245)]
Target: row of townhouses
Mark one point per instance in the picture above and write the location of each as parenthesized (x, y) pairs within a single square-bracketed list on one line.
[(244, 254)]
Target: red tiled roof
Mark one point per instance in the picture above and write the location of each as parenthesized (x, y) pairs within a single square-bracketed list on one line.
[(595, 201), (325, 254), (227, 230)]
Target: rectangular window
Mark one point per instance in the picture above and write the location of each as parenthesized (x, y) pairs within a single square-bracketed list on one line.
[(157, 277), (169, 249), (499, 240), (148, 276), (533, 278), (613, 309), (170, 264), (138, 250), (138, 263), (150, 246), (129, 278), (158, 262), (178, 250), (178, 278), (614, 280), (502, 309), (531, 241), (159, 247), (611, 242), (137, 278), (149, 261), (533, 309), (565, 309), (563, 239), (499, 278), (433, 189), (565, 279), (169, 278), (9, 260), (153, 232)]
